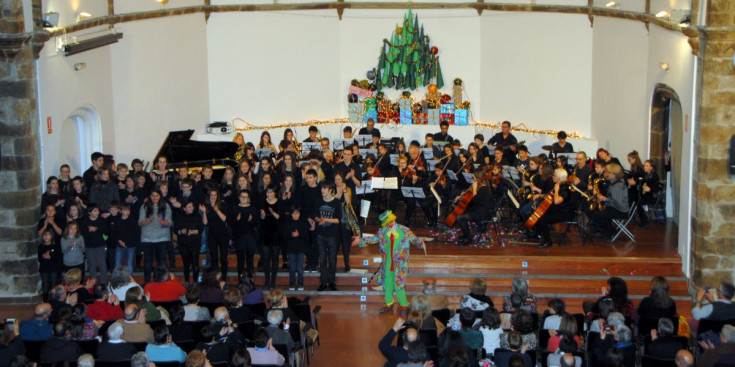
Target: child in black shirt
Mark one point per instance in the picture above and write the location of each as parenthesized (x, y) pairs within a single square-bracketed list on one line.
[(325, 223), (125, 236), (49, 262), (94, 229), (295, 237), (188, 228)]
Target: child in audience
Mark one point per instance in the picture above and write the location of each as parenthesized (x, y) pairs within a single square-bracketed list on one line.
[(490, 328), (72, 246), (554, 312)]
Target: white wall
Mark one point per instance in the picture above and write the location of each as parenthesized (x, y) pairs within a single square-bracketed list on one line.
[(159, 83), (536, 70)]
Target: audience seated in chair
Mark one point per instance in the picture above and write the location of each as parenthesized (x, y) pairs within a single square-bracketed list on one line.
[(194, 312), (552, 316), (80, 327), (263, 352), (437, 301), (106, 307), (239, 313), (38, 328), (115, 348), (163, 349), (178, 329), (59, 348), (10, 343), (135, 330), (395, 354), (659, 304), (218, 350), (453, 350), (712, 354), (472, 337), (516, 346), (476, 300), (421, 303), (567, 348), (135, 296), (662, 343), (417, 355), (140, 359), (522, 322), (164, 287), (490, 328), (519, 288), (567, 329), (720, 306), (275, 333), (684, 358), (197, 358)]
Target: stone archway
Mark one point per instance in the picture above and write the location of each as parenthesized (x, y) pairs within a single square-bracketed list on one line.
[(666, 129)]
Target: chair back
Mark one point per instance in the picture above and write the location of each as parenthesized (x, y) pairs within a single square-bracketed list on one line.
[(89, 346), (283, 350), (196, 329), (258, 309), (429, 337), (580, 322), (296, 335), (168, 364), (648, 361), (103, 363), (33, 349), (140, 346), (714, 325), (186, 345), (247, 329), (646, 324), (211, 306), (442, 315), (168, 305), (543, 338), (156, 323), (303, 312)]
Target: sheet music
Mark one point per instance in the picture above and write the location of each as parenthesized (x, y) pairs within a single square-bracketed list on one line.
[(468, 177), (365, 152), (308, 147), (452, 176), (261, 153), (441, 144), (340, 144), (386, 183), (428, 153), (364, 139), (364, 188), (432, 163), (413, 192), (394, 159), (364, 208), (511, 173)]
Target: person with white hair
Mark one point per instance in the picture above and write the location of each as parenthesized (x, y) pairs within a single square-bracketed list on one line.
[(140, 359), (712, 355), (562, 207), (85, 360), (719, 305), (115, 348), (519, 298), (278, 335)]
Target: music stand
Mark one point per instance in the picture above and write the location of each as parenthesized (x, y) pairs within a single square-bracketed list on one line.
[(364, 139), (452, 176), (432, 163), (393, 159), (511, 173), (341, 144), (366, 187), (257, 167), (263, 153), (413, 192), (428, 153), (468, 177), (385, 183), (441, 144), (310, 146), (365, 152)]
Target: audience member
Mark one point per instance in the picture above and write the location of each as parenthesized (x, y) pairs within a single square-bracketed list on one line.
[(490, 328), (684, 358), (251, 294), (10, 344), (73, 283), (662, 343), (712, 354), (197, 358), (618, 292), (178, 329), (437, 301), (59, 348), (275, 333), (38, 328), (239, 313), (163, 349), (417, 355), (720, 306), (519, 289), (164, 287), (241, 358), (120, 282), (421, 303), (135, 296), (453, 351), (567, 329), (135, 330), (81, 327), (556, 308), (85, 360), (263, 351), (215, 350), (106, 307), (115, 348), (58, 301), (140, 359), (518, 346), (212, 286), (567, 346), (192, 310), (605, 308), (522, 322), (472, 337), (394, 354), (277, 301), (659, 304)]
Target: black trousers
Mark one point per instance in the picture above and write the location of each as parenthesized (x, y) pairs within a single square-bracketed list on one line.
[(425, 204), (312, 253), (327, 258), (463, 221), (544, 223), (345, 241), (245, 251), (48, 281), (269, 259), (189, 251), (217, 244), (604, 217)]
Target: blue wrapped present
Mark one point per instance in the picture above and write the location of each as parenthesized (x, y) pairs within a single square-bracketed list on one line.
[(433, 116), (406, 117), (371, 114), (447, 108), (356, 111), (461, 117)]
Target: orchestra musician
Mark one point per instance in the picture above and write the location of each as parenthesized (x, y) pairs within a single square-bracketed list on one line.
[(443, 134), (634, 176), (267, 143), (408, 176), (581, 171), (499, 157), (478, 208), (649, 187), (615, 203), (369, 129), (506, 140), (541, 185), (562, 208), (376, 139), (561, 146), (440, 182), (450, 161), (484, 150), (429, 143), (604, 156), (475, 157), (313, 131), (324, 143)]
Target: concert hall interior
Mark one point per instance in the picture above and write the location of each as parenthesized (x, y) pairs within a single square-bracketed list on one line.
[(561, 141)]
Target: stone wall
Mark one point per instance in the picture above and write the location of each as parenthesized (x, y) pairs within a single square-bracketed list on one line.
[(713, 232), (20, 189)]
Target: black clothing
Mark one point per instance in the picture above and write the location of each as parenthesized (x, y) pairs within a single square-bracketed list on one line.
[(330, 210), (443, 137), (647, 308), (201, 189), (180, 332), (89, 177), (107, 351), (60, 350), (557, 148), (505, 142), (189, 244), (294, 245), (306, 198), (240, 314), (216, 352), (126, 230), (394, 355), (52, 265), (345, 169), (14, 348), (51, 199), (94, 239), (663, 347), (583, 174)]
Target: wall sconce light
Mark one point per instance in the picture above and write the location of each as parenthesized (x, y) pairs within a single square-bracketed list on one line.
[(612, 4), (162, 2), (50, 19), (83, 15), (662, 14), (80, 65), (664, 66)]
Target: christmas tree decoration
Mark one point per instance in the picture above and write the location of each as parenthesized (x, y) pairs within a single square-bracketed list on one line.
[(408, 60), (370, 74)]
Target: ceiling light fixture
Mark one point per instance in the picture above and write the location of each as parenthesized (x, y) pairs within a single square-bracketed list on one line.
[(612, 4), (662, 14)]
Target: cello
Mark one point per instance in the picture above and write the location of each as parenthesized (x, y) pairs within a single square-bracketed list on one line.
[(462, 204), (544, 206)]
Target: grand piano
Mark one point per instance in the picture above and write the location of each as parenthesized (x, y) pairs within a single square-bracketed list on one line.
[(180, 150)]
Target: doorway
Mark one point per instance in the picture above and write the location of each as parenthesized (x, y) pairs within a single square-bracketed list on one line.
[(667, 128), (80, 137)]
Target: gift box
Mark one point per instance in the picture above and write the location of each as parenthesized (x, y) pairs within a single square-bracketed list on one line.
[(371, 114), (461, 117), (360, 92), (371, 104), (406, 116), (382, 117), (419, 119), (394, 116), (356, 112), (433, 116), (446, 113), (405, 103)]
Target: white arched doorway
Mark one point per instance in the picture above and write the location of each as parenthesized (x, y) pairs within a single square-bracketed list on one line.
[(81, 135)]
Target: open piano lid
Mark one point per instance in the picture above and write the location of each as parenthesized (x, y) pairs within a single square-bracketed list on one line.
[(179, 148)]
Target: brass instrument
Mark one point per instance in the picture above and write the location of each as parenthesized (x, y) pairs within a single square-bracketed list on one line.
[(240, 153), (592, 199), (526, 192), (297, 145), (350, 213)]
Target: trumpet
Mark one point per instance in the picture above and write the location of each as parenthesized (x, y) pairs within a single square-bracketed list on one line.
[(298, 146), (592, 199)]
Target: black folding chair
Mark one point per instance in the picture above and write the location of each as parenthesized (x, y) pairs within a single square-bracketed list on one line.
[(169, 304), (89, 346), (247, 329), (103, 363), (140, 346), (283, 350), (257, 309), (186, 345), (196, 328), (33, 349), (648, 361), (211, 306)]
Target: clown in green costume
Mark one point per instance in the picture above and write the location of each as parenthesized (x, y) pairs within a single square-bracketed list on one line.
[(394, 241)]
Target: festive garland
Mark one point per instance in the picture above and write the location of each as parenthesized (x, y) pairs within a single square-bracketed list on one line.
[(247, 126)]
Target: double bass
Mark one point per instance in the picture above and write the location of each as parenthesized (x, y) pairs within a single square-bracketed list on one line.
[(463, 202), (544, 206)]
